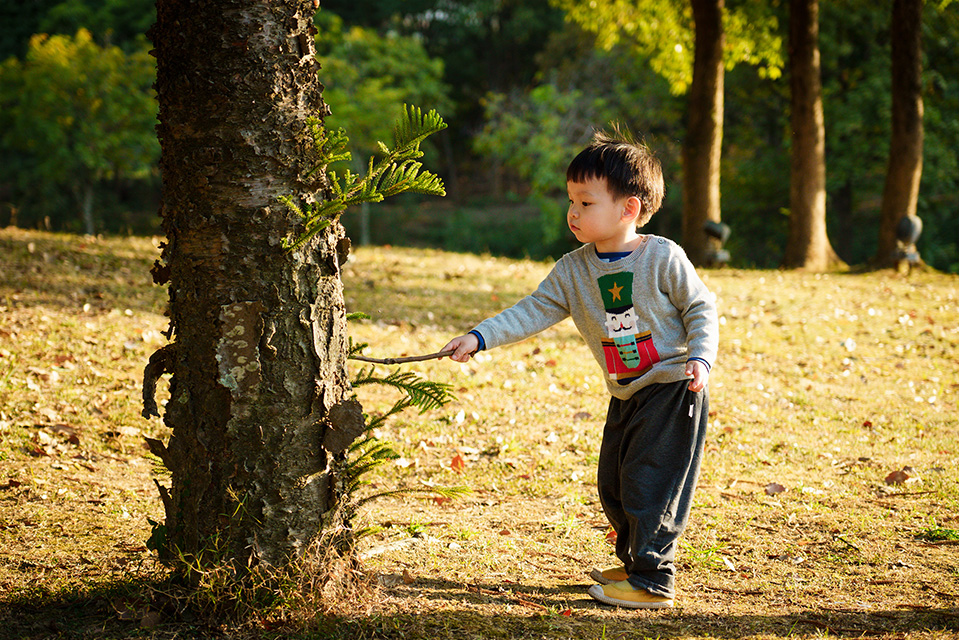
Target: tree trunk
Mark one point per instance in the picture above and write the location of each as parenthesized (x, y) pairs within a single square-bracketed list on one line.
[(258, 351), (90, 228), (807, 245), (702, 144), (905, 164)]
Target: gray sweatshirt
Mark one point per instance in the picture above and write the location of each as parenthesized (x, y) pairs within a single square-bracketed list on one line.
[(643, 316)]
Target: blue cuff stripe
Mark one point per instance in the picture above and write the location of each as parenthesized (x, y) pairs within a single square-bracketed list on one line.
[(483, 343)]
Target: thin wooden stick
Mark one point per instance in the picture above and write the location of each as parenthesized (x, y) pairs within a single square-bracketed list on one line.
[(429, 356)]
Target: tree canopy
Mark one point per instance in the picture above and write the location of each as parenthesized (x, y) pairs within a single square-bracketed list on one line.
[(74, 114), (520, 84)]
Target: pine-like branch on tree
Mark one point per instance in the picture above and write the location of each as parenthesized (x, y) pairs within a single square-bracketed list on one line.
[(395, 173)]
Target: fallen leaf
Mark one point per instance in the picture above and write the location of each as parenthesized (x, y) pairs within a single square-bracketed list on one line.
[(611, 537), (567, 612), (407, 578), (773, 489), (440, 500), (458, 464), (150, 619), (898, 477)]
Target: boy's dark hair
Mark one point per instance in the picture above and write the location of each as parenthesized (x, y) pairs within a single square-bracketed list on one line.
[(629, 168)]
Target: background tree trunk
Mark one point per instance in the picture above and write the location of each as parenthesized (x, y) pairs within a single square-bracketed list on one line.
[(807, 245), (704, 136), (259, 332), (905, 164)]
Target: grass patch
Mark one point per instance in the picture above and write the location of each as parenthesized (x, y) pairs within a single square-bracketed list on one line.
[(840, 389)]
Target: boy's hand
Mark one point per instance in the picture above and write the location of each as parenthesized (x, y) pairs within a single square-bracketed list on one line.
[(465, 346), (699, 372)]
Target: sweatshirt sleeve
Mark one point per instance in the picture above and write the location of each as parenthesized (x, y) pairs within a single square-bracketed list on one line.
[(540, 310), (697, 307)]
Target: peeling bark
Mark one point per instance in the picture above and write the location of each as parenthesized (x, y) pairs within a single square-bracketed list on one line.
[(259, 331)]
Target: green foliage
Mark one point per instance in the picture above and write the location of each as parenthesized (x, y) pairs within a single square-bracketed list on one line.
[(72, 116), (369, 452), (122, 23), (662, 32), (855, 53), (938, 534), (535, 133), (486, 45), (395, 173), (367, 75)]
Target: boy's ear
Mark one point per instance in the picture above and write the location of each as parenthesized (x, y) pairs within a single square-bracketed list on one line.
[(632, 208)]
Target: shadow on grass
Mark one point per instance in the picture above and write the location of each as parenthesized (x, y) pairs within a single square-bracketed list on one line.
[(66, 272), (439, 610)]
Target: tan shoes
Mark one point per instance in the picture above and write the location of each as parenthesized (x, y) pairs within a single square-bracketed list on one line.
[(624, 594), (609, 576), (614, 589)]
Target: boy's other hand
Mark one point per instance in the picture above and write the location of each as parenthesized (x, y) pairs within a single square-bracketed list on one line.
[(698, 371), (464, 346)]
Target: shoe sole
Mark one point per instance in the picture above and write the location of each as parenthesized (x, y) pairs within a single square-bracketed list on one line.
[(596, 592)]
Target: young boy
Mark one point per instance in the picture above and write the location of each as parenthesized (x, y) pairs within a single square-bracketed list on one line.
[(652, 327)]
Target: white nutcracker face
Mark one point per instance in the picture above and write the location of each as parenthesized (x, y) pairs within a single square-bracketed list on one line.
[(621, 324)]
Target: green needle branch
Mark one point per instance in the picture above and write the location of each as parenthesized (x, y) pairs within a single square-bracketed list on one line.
[(396, 172)]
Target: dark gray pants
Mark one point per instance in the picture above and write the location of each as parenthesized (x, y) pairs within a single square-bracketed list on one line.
[(647, 473)]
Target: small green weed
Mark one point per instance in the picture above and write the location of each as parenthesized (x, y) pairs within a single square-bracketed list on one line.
[(937, 534)]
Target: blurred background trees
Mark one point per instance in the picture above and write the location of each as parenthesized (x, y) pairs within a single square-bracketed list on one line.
[(522, 84)]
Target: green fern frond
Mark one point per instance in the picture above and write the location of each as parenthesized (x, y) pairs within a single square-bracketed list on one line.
[(393, 174), (292, 205), (414, 126), (423, 394), (407, 177), (354, 349)]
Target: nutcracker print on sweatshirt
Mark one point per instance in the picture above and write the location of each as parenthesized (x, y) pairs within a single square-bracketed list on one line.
[(629, 352)]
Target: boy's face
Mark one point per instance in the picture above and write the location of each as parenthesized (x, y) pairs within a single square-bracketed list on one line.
[(595, 216)]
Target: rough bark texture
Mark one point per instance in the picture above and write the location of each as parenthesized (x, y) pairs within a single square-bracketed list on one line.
[(258, 332), (807, 246), (905, 164), (702, 144)]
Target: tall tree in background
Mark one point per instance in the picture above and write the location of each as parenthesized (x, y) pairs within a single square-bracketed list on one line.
[(258, 351), (665, 31), (703, 140), (905, 164), (807, 245)]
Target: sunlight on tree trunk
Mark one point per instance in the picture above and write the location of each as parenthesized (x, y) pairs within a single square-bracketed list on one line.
[(808, 246), (702, 144), (258, 350), (905, 164)]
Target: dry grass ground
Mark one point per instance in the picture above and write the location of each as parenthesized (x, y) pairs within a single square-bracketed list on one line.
[(826, 387)]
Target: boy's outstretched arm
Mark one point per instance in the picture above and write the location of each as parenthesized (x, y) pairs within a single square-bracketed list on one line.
[(464, 346), (699, 372)]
